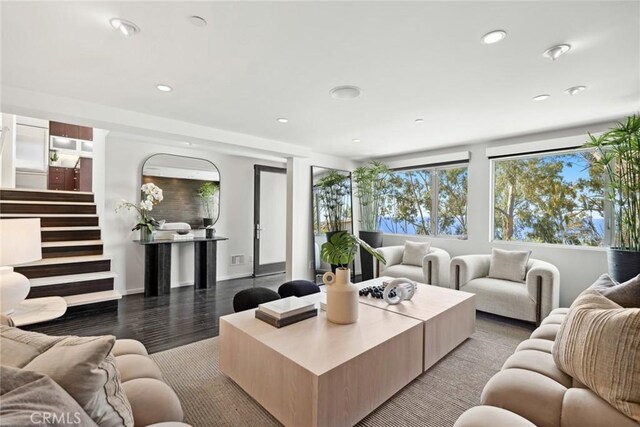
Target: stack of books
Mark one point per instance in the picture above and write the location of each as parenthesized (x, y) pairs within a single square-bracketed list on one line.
[(285, 311)]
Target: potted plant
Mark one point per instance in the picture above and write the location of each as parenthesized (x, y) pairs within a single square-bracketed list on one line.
[(342, 295), (152, 195), (332, 189), (207, 192), (54, 157), (617, 151), (371, 190)]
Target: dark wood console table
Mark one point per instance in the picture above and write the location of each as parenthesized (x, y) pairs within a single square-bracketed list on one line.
[(157, 264)]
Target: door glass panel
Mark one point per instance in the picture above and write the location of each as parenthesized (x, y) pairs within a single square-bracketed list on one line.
[(273, 211), (60, 143)]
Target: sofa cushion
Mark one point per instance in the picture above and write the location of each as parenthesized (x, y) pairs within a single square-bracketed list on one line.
[(546, 332), (509, 265), (536, 344), (561, 310), (533, 396), (30, 398), (127, 346), (409, 271), (483, 416), (553, 319), (502, 297), (83, 366), (133, 366), (583, 408), (540, 362), (152, 401), (625, 294), (599, 345), (414, 252)]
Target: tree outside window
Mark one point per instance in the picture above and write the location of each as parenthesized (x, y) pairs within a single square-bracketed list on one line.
[(429, 201), (557, 198)]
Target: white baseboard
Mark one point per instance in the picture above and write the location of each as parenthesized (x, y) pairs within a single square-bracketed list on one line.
[(181, 284)]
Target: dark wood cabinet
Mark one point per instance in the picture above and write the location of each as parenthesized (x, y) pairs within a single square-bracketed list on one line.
[(57, 178), (66, 130), (85, 133), (84, 174)]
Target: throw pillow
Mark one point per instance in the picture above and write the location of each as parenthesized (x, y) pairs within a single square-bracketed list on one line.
[(509, 265), (30, 398), (598, 344), (83, 366), (626, 294), (414, 252)]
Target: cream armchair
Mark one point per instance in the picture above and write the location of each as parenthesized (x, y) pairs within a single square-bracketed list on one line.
[(531, 301), (434, 270)]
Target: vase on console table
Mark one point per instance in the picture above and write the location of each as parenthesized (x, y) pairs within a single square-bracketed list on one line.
[(342, 297), (146, 235)]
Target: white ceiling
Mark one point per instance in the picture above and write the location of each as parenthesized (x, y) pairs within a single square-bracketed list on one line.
[(257, 61)]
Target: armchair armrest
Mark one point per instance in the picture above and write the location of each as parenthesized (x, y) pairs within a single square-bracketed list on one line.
[(436, 267), (393, 256), (543, 286), (468, 267)]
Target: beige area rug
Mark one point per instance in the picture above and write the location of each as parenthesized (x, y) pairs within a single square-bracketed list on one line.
[(435, 398)]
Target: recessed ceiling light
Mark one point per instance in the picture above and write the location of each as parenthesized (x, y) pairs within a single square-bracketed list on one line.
[(198, 21), (418, 121), (164, 88), (282, 120), (356, 140), (345, 92), (127, 28), (575, 89), (494, 37), (554, 52), (541, 97)]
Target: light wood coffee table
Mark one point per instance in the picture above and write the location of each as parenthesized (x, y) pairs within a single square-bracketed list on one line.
[(448, 315), (316, 373)]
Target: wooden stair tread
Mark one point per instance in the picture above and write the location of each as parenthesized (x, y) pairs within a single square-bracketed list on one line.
[(72, 278), (71, 228), (61, 244), (66, 260), (31, 215), (92, 298), (38, 202), (35, 190)]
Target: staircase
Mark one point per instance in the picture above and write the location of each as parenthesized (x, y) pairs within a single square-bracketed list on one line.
[(73, 265)]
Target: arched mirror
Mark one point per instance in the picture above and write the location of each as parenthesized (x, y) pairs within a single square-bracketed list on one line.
[(330, 208), (191, 189)]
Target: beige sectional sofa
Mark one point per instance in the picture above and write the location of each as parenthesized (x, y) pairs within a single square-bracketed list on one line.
[(111, 382), (531, 390)]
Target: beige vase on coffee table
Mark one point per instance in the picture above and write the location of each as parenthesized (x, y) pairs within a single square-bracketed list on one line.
[(342, 297)]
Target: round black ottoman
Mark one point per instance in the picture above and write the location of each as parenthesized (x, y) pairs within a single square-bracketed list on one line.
[(252, 297), (298, 288)]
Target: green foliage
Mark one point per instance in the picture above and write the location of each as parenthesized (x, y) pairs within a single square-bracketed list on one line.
[(207, 192), (341, 249), (333, 190), (371, 190), (411, 204), (452, 201), (533, 200), (617, 152)]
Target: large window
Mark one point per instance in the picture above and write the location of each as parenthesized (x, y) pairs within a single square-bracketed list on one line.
[(552, 198), (429, 201)]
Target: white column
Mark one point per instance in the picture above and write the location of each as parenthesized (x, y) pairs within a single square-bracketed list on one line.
[(298, 223), (8, 153)]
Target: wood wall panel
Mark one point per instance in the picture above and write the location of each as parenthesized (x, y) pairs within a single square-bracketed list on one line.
[(181, 202)]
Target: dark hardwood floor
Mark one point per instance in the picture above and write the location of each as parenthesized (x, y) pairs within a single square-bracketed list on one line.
[(163, 322)]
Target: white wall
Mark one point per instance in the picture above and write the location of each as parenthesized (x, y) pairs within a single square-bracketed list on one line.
[(579, 266), (8, 153), (124, 159)]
